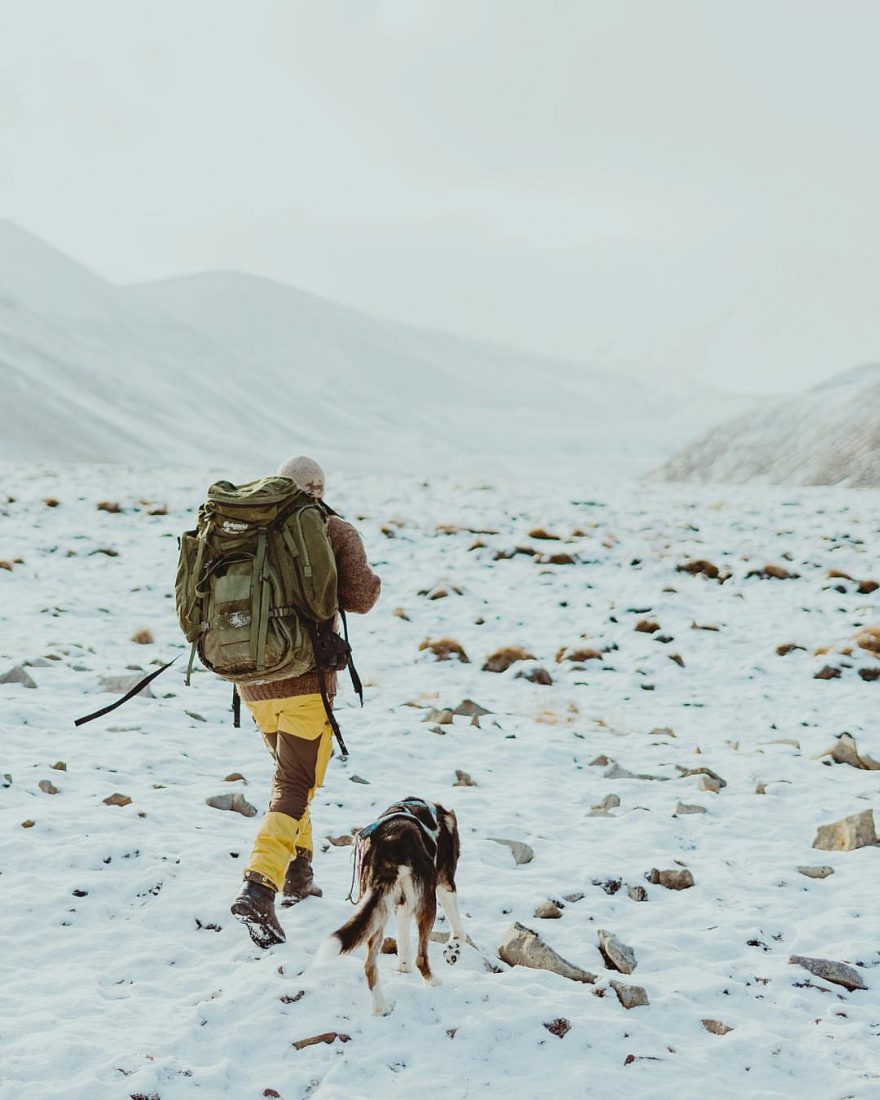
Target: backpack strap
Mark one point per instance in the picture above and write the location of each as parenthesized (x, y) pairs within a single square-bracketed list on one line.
[(236, 708), (331, 717), (130, 694), (352, 671)]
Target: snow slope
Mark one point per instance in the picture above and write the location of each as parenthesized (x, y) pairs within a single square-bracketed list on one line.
[(828, 435), (124, 974)]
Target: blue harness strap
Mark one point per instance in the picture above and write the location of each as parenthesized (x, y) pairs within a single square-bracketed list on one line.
[(362, 836)]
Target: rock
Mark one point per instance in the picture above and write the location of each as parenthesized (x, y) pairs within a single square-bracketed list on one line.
[(685, 773), (716, 1027), (816, 872), (122, 684), (579, 655), (559, 1027), (647, 626), (325, 1037), (662, 731), (441, 717), (609, 885), (578, 896), (687, 808), (548, 910), (673, 879), (234, 777), (699, 565), (617, 955), (342, 841), (359, 779), (559, 558), (774, 573), (29, 824), (109, 506), (837, 972), (630, 996), (869, 674), (502, 659), (143, 637), (536, 676), (617, 772), (637, 893), (523, 947), (844, 751), (17, 675), (470, 709), (236, 802), (855, 831), (47, 786), (828, 672), (609, 802), (708, 783), (462, 779), (677, 657), (789, 647), (119, 800), (760, 788), (444, 649), (601, 761), (522, 853), (59, 766)]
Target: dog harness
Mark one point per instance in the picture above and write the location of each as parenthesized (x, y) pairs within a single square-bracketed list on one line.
[(362, 838)]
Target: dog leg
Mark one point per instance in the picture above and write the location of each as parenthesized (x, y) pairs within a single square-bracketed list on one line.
[(379, 1005), (404, 948), (426, 912), (449, 903)]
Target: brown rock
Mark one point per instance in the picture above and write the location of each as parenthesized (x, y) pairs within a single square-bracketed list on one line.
[(673, 879), (444, 649), (462, 779), (325, 1037), (234, 777), (548, 910), (789, 647), (647, 626), (502, 659), (699, 565), (59, 766), (47, 786), (109, 506), (630, 996), (716, 1027), (855, 831), (29, 824), (687, 772), (559, 1027), (470, 709), (686, 808), (816, 872), (844, 751), (117, 800), (143, 637), (828, 672), (536, 676)]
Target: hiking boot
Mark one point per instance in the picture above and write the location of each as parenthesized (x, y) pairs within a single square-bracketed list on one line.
[(255, 908), (299, 882)]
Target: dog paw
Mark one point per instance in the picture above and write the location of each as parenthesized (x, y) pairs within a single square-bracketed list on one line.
[(452, 952), (382, 1006), (404, 968), (433, 980)]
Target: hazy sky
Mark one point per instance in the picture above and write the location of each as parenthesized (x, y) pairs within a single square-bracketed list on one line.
[(676, 184)]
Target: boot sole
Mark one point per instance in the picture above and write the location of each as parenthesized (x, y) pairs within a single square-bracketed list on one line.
[(262, 934)]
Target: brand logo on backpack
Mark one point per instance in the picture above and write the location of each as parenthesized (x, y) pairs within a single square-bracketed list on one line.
[(230, 525)]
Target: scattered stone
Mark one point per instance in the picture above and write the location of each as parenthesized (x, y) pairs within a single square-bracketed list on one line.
[(617, 955), (7, 779), (522, 853), (828, 672), (869, 638), (637, 893), (51, 502), (855, 831), (325, 1037), (236, 802), (866, 587), (579, 656), (559, 1027), (708, 783), (699, 565), (502, 659), (18, 675), (869, 674), (29, 824), (399, 613), (120, 800), (548, 910), (359, 779), (789, 647), (760, 788), (234, 777), (837, 972), (560, 558), (677, 657), (601, 761), (688, 808), (462, 779), (844, 751), (444, 649), (440, 717), (572, 898), (630, 996), (673, 879), (537, 675), (773, 573), (523, 947), (59, 766), (47, 786), (647, 626), (716, 1027), (109, 506), (617, 772), (143, 637), (609, 802), (687, 772), (342, 841), (470, 709), (817, 872), (609, 885)]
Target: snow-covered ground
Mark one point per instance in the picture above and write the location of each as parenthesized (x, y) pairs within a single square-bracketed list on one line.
[(123, 973)]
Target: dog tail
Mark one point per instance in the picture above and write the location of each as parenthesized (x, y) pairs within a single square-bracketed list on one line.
[(371, 917)]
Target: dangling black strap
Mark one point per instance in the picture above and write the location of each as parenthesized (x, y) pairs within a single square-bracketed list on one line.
[(352, 671), (128, 695), (236, 708), (331, 717)]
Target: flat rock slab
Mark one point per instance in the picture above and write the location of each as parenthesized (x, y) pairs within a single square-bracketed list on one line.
[(630, 996), (235, 802), (609, 802), (617, 955), (856, 831), (470, 709), (325, 1037), (816, 872), (522, 853), (523, 947), (837, 972), (677, 878), (689, 808)]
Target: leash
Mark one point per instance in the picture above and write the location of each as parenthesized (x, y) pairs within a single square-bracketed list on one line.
[(128, 695)]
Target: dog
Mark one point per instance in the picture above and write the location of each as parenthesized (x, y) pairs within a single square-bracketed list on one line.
[(404, 861)]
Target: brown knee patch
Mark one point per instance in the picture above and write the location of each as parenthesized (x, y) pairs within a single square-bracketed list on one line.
[(296, 761)]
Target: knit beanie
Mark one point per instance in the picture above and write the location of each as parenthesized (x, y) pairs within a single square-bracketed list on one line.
[(305, 472)]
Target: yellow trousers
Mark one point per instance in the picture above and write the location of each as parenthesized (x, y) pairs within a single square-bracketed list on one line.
[(299, 737)]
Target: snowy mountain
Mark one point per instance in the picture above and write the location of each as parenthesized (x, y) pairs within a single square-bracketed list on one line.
[(234, 370), (828, 435)]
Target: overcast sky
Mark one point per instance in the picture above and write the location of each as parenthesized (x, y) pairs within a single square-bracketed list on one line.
[(666, 185)]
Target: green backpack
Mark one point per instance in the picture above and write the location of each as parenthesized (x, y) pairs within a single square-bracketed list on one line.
[(256, 584)]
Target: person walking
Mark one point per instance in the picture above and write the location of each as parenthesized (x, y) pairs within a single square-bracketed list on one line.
[(293, 720)]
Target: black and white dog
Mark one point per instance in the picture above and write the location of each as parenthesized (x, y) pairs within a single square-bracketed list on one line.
[(404, 862)]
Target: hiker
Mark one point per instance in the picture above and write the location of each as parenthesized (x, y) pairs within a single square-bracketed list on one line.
[(293, 720)]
